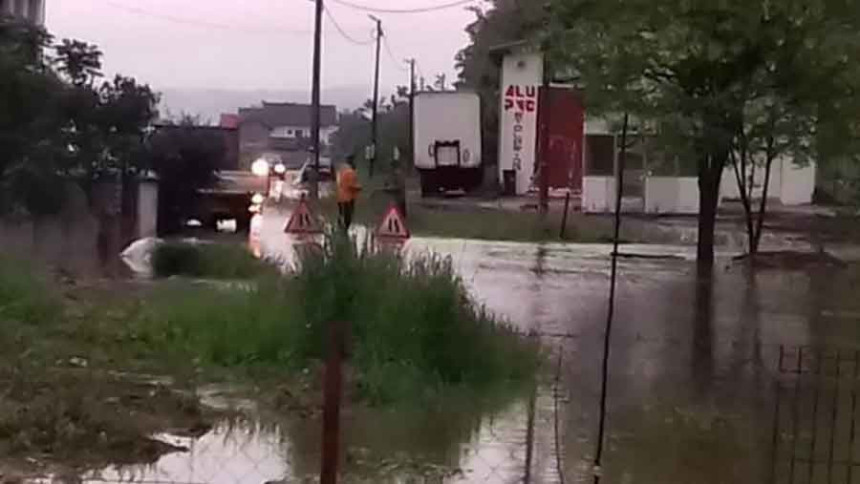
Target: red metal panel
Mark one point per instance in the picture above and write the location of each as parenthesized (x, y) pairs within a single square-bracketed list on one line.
[(566, 120)]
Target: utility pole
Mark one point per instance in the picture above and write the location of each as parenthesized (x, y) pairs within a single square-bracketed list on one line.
[(315, 102), (411, 109), (374, 130)]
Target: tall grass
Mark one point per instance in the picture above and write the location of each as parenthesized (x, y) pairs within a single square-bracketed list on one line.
[(414, 329), (207, 260), (24, 298)]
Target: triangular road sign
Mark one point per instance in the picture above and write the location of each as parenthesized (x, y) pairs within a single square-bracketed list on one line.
[(302, 221), (393, 225)]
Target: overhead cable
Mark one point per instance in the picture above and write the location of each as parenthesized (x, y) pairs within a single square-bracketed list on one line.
[(431, 8), (203, 23), (343, 32)]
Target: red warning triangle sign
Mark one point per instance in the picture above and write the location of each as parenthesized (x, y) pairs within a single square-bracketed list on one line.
[(302, 221), (393, 225)]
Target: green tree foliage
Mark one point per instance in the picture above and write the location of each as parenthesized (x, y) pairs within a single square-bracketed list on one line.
[(717, 78), (479, 66), (353, 133), (57, 122), (185, 158), (29, 178)]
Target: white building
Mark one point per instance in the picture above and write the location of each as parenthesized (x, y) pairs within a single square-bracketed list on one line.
[(652, 183), (32, 10)]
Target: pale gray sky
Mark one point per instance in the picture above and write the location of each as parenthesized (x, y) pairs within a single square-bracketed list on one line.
[(256, 44)]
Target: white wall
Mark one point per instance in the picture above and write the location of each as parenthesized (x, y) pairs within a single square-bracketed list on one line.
[(522, 75), (798, 184), (147, 209), (679, 195), (789, 183), (598, 194)]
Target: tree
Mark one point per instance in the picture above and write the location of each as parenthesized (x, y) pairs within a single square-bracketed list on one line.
[(712, 76), (353, 133), (478, 66), (30, 177)]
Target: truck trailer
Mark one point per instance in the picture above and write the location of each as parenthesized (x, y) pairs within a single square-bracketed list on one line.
[(448, 141)]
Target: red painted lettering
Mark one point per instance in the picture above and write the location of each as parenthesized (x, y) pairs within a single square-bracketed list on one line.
[(531, 106), (509, 104), (531, 91), (511, 91)]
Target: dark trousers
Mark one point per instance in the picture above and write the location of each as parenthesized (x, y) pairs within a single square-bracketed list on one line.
[(346, 210)]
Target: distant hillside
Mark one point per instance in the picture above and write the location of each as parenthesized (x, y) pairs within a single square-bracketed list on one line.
[(210, 103)]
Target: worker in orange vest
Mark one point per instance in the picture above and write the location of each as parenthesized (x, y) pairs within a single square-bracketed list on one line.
[(348, 189)]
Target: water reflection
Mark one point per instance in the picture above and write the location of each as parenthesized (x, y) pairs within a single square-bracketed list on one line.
[(692, 370)]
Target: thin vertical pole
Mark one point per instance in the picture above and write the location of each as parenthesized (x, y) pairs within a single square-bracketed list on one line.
[(374, 129), (530, 435), (315, 101), (331, 404), (775, 438), (794, 417), (610, 315), (564, 216), (544, 110), (814, 416), (851, 436), (833, 416)]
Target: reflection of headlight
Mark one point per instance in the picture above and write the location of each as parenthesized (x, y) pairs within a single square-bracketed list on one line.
[(254, 209), (258, 199), (280, 169)]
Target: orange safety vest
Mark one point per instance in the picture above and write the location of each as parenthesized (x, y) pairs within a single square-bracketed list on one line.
[(347, 185)]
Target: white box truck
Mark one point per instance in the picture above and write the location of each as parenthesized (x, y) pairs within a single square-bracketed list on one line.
[(448, 141)]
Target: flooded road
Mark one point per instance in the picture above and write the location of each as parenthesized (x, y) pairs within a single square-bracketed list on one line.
[(691, 394)]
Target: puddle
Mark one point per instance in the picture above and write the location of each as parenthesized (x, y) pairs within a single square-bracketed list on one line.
[(691, 390)]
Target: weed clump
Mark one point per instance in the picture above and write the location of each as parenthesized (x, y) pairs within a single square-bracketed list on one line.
[(206, 260), (413, 328)]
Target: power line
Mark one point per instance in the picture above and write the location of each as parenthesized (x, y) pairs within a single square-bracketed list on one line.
[(394, 58), (202, 23), (343, 32), (433, 8)]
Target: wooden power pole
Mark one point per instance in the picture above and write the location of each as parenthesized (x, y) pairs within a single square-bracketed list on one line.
[(315, 101), (374, 130)]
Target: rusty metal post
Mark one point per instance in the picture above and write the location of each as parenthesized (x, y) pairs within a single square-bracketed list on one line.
[(564, 216), (333, 390), (530, 435)]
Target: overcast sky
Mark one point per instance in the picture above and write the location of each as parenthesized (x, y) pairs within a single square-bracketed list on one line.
[(256, 44)]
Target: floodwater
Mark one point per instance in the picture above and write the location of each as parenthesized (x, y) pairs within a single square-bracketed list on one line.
[(693, 373)]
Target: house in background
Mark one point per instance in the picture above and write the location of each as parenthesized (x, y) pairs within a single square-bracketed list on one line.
[(32, 10), (583, 151), (280, 132)]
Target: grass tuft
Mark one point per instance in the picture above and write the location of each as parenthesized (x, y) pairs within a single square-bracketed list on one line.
[(207, 260)]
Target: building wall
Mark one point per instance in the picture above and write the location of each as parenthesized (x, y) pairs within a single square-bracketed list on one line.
[(798, 184), (678, 195), (598, 194), (147, 209), (522, 75)]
